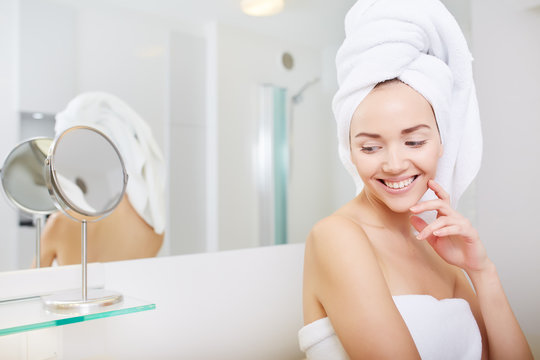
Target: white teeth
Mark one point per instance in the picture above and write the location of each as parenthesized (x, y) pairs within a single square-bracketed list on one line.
[(399, 185)]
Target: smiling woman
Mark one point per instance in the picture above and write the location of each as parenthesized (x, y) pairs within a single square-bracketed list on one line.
[(366, 274), (401, 156)]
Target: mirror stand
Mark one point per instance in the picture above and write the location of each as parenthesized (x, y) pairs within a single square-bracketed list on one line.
[(39, 221), (73, 301)]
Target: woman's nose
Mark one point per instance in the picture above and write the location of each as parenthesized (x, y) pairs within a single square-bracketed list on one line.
[(395, 162)]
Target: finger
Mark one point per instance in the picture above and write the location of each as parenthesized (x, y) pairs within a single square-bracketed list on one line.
[(441, 206), (418, 223), (469, 235), (438, 190), (433, 227), (448, 231)]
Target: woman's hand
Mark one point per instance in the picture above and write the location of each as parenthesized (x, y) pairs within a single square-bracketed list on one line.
[(451, 235)]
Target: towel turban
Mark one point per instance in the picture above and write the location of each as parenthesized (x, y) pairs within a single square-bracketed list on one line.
[(420, 43)]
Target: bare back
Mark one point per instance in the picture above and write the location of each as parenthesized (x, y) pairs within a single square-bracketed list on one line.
[(122, 235)]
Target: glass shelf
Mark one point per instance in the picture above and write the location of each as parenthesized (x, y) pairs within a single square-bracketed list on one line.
[(29, 314)]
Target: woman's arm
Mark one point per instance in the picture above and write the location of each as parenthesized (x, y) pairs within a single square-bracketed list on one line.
[(346, 279), (49, 240), (505, 337), (457, 242)]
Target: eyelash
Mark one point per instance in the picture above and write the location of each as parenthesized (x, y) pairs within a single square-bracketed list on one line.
[(368, 149), (414, 144)]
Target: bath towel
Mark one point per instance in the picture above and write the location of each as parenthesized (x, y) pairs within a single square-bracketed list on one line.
[(441, 329), (133, 137), (420, 43)]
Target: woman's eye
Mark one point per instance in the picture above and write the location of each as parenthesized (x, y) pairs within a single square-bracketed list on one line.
[(369, 149), (415, 143)]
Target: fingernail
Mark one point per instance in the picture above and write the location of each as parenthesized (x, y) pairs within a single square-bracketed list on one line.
[(419, 236), (412, 208)]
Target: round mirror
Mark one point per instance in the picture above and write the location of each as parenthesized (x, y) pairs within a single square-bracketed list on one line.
[(22, 176), (86, 178), (24, 183), (85, 174)]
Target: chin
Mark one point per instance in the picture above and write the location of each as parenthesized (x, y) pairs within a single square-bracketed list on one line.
[(401, 208), (398, 203)]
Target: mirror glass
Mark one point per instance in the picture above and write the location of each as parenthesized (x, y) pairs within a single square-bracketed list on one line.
[(23, 176), (86, 172)]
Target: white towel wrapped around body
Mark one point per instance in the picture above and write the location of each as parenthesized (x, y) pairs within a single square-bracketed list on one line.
[(441, 329), (420, 43), (133, 137)]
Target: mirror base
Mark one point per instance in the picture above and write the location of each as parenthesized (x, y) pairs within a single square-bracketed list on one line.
[(69, 302)]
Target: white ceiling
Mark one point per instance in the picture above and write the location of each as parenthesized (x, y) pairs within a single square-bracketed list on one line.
[(316, 23)]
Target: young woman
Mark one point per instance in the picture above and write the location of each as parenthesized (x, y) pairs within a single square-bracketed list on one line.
[(381, 282), (363, 263)]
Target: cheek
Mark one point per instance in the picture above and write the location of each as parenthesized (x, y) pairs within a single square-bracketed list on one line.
[(429, 160), (365, 165)]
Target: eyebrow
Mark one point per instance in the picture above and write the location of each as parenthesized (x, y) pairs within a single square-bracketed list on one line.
[(403, 132)]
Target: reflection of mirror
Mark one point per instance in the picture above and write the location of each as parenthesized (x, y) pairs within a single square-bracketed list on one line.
[(24, 183), (86, 178), (86, 174)]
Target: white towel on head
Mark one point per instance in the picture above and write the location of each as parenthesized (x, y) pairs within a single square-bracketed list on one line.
[(420, 43), (133, 138)]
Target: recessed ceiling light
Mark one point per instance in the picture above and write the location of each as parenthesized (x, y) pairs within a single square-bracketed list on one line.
[(261, 7)]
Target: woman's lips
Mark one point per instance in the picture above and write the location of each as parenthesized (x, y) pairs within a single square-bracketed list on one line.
[(398, 185)]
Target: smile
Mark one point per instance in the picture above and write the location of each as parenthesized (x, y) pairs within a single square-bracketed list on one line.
[(399, 184)]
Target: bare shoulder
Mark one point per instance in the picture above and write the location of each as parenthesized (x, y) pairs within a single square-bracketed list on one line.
[(336, 233), (343, 280), (339, 253)]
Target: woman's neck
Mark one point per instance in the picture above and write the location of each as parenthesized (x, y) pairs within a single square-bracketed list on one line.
[(378, 214)]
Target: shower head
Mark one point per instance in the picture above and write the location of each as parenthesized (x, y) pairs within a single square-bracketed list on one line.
[(297, 98)]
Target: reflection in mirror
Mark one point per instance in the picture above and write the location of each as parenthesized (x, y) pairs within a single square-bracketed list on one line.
[(86, 179), (87, 174), (24, 183), (191, 70)]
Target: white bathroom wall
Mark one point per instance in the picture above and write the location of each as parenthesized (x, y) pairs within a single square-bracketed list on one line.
[(125, 53), (310, 181), (8, 120), (187, 134), (47, 61), (246, 60), (506, 67)]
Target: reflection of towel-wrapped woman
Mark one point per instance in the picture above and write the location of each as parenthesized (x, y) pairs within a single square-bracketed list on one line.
[(136, 227)]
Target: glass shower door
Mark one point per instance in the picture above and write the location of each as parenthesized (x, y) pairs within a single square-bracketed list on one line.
[(272, 165)]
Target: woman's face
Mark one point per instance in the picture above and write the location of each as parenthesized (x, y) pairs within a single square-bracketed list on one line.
[(395, 145)]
